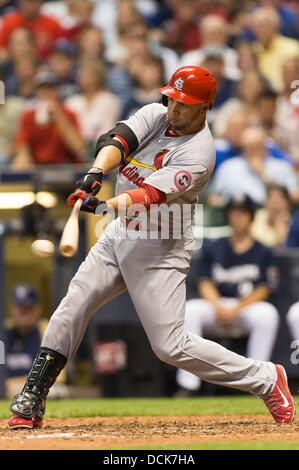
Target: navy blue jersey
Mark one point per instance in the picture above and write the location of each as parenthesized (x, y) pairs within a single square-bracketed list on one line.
[(20, 351), (237, 275), (292, 240)]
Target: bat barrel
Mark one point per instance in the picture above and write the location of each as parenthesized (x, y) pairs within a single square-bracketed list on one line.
[(70, 237)]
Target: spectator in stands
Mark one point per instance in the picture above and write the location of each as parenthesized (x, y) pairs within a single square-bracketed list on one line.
[(182, 30), (292, 240), (136, 45), (238, 23), (229, 146), (287, 14), (252, 171), (6, 6), (24, 337), (247, 59), (236, 276), (271, 223), (96, 108), (21, 42), (73, 15), (214, 63), (266, 108), (48, 132), (62, 61), (127, 15), (287, 110), (147, 75), (214, 32), (270, 47), (248, 90), (45, 29), (21, 82), (10, 113), (104, 17), (91, 44)]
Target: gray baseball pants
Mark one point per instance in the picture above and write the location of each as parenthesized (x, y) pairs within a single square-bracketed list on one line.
[(154, 272)]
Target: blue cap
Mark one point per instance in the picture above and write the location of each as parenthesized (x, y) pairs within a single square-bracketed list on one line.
[(24, 294), (64, 47)]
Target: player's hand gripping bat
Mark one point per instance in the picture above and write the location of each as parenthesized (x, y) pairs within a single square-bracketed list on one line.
[(79, 200)]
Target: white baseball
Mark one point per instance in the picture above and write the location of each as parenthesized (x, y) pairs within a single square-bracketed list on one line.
[(42, 248)]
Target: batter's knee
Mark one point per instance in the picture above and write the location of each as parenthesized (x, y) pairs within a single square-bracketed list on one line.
[(168, 351)]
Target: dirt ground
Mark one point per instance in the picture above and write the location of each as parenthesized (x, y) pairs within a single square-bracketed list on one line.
[(119, 433)]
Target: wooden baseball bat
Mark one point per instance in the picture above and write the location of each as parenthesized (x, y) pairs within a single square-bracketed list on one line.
[(70, 236)]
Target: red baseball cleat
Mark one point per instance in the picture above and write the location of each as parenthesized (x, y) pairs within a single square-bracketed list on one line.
[(17, 422), (280, 402)]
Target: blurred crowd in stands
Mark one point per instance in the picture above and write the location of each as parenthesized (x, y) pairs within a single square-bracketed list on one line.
[(71, 69)]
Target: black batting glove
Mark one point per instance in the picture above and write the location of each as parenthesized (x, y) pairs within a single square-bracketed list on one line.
[(89, 204), (91, 183)]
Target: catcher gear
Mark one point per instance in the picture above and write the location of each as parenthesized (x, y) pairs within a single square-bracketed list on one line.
[(28, 407), (190, 85), (91, 182)]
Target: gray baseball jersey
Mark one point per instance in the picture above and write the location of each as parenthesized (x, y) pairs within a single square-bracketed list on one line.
[(154, 270), (179, 166)]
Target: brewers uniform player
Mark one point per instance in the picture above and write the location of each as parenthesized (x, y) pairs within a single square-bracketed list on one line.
[(164, 154)]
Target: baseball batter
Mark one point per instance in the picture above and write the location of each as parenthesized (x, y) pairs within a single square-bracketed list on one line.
[(164, 155)]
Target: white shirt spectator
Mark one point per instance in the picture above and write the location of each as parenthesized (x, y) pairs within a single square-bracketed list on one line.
[(236, 176), (96, 117)]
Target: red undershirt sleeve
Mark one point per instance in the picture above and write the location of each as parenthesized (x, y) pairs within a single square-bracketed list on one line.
[(147, 195)]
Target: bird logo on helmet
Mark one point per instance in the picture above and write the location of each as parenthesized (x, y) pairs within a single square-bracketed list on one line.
[(179, 83), (190, 85)]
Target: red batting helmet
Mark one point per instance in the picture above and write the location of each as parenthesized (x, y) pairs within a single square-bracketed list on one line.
[(191, 85)]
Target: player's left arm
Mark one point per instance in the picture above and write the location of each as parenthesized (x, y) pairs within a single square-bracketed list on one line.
[(145, 195)]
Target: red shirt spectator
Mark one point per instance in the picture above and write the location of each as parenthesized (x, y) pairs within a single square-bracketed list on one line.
[(45, 141), (46, 31), (48, 132)]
